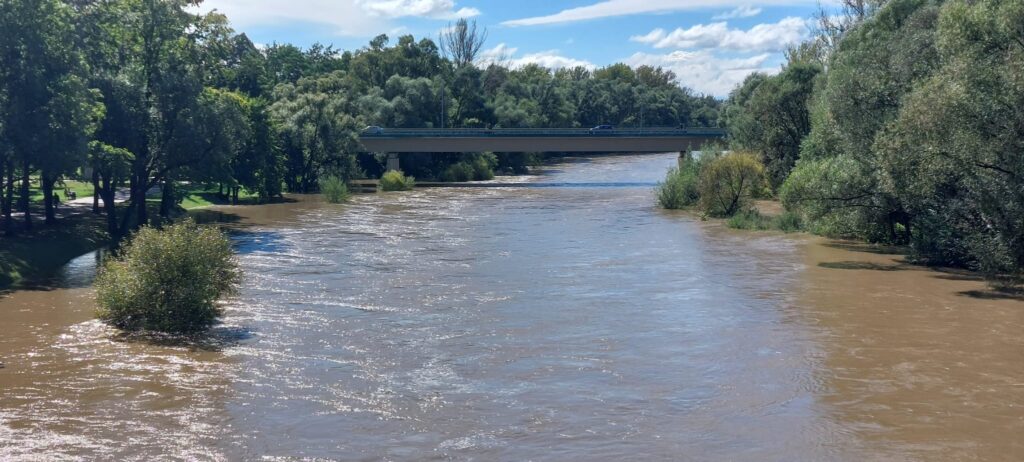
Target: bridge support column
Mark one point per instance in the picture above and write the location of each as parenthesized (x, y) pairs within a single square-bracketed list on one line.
[(393, 162)]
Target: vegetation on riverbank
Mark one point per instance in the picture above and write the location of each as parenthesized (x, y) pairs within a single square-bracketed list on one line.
[(718, 183), (334, 189), (168, 280), (898, 123), (395, 180), (41, 253), (148, 95)]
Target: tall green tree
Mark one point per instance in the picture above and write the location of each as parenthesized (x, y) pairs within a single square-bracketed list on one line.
[(770, 116), (49, 109)]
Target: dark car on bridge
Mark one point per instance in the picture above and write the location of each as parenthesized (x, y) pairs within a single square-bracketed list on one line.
[(373, 130), (601, 127)]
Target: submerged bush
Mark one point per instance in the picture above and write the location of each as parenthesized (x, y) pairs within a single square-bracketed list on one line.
[(334, 189), (728, 183), (473, 167), (752, 219), (168, 280), (679, 188), (396, 181), (457, 172)]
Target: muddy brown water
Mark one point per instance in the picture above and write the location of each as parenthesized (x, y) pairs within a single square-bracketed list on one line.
[(571, 320)]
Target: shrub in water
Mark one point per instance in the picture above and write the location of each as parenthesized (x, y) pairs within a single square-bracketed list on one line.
[(334, 189), (679, 188), (459, 171), (789, 222), (396, 181), (168, 280), (728, 183), (750, 219)]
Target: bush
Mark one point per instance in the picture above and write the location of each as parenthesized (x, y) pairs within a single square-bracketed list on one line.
[(483, 169), (789, 222), (168, 280), (752, 219), (396, 181), (472, 167), (729, 182), (679, 189), (457, 172), (334, 189)]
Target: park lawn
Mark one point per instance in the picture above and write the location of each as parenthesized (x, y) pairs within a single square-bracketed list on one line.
[(199, 197), (81, 188)]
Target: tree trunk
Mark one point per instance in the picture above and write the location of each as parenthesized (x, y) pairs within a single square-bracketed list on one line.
[(107, 190), (50, 206), (7, 204), (23, 202), (166, 198), (141, 214), (234, 195), (96, 191)]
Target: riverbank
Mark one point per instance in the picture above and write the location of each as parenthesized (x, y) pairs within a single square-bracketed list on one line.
[(41, 252)]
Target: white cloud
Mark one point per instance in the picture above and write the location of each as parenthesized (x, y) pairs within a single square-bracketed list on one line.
[(653, 36), (742, 11), (344, 17), (762, 37), (359, 18), (705, 72), (436, 9), (551, 59), (611, 8)]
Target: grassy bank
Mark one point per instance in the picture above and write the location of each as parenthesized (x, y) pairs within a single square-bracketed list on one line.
[(202, 196), (47, 248)]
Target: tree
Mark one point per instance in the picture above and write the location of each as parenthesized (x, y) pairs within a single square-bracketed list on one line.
[(874, 67), (461, 42), (953, 155), (111, 168), (769, 115), (728, 183), (318, 130), (49, 110)]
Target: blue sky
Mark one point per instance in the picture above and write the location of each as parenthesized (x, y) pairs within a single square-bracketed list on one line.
[(710, 44)]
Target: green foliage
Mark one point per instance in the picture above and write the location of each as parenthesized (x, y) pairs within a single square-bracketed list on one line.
[(460, 171), (679, 189), (727, 184), (769, 115), (168, 280), (334, 189), (910, 141), (751, 219), (396, 181), (473, 167)]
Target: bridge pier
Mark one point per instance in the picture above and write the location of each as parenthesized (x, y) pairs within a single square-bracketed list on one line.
[(393, 163)]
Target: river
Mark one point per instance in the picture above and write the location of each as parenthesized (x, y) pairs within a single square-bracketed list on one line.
[(567, 320)]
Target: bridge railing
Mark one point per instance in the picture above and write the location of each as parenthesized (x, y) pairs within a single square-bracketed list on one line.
[(538, 132)]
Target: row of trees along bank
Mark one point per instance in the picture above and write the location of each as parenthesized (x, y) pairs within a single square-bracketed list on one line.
[(148, 95), (901, 122)]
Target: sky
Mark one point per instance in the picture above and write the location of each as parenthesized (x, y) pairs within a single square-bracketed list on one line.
[(711, 45)]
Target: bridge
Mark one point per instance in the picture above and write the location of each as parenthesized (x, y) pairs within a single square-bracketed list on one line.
[(630, 140)]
